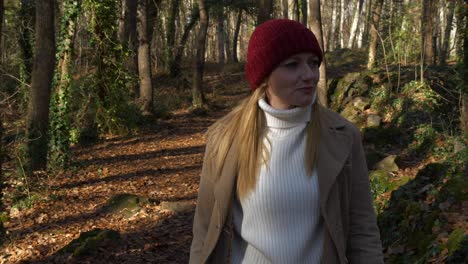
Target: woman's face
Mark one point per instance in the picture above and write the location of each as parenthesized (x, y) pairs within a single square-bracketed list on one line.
[(294, 82)]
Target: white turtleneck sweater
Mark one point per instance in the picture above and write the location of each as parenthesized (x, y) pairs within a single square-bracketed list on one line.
[(280, 221)]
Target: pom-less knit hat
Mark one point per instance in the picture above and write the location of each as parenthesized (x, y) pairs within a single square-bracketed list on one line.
[(274, 41)]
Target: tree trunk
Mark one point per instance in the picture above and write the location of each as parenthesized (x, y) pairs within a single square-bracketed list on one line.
[(285, 8), (2, 11), (304, 12), (376, 10), (220, 32), (336, 33), (448, 30), (194, 17), (236, 36), (127, 36), (144, 62), (296, 11), (60, 120), (354, 26), (427, 31), (2, 228), (41, 81), (198, 98), (171, 33), (265, 8), (316, 26), (464, 28), (27, 18)]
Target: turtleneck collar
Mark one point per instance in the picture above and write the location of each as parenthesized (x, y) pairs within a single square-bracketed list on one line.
[(276, 118)]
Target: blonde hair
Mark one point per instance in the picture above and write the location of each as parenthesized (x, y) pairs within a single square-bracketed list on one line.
[(244, 126)]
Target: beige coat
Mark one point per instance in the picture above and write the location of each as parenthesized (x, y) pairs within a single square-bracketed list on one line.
[(351, 232)]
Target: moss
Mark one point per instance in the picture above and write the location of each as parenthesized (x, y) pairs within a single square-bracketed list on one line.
[(126, 204), (460, 255), (89, 242)]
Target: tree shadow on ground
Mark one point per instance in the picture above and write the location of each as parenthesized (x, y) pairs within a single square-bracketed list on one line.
[(167, 241)]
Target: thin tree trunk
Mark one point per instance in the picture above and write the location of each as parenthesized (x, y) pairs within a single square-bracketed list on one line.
[(27, 20), (220, 32), (377, 10), (41, 82), (336, 33), (144, 62), (171, 32), (198, 98), (448, 29), (296, 11), (227, 38), (285, 8), (194, 17), (2, 228), (304, 8), (127, 36), (354, 26), (2, 11), (427, 30), (316, 26), (236, 36), (463, 21), (265, 9)]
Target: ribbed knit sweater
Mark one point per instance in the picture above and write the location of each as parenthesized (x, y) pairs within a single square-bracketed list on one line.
[(280, 222)]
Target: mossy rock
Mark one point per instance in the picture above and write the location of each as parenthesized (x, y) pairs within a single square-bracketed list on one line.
[(372, 157), (459, 254), (387, 164), (341, 90), (353, 115), (126, 204), (90, 241)]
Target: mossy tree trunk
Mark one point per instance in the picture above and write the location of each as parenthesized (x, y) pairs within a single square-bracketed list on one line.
[(144, 60), (220, 32), (316, 26), (464, 92), (2, 228), (285, 7), (60, 119), (41, 82), (304, 13), (198, 98), (128, 37), (376, 11)]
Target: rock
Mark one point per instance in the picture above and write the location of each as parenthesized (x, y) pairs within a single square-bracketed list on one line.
[(360, 103), (352, 114), (388, 164), (90, 241), (458, 146), (176, 207), (126, 204), (373, 120)]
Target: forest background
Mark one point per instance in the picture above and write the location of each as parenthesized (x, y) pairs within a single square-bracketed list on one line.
[(104, 105)]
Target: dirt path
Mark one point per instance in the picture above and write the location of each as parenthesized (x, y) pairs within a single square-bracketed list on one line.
[(162, 163)]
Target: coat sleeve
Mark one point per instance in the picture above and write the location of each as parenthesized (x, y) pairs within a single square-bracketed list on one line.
[(204, 208), (364, 244)]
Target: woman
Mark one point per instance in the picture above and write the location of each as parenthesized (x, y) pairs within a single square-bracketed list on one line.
[(284, 180)]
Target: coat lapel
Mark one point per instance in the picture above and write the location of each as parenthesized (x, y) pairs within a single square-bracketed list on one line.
[(333, 150)]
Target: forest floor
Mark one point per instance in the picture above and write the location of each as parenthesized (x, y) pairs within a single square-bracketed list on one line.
[(162, 162)]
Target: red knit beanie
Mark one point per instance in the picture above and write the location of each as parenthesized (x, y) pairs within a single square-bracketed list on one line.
[(274, 41)]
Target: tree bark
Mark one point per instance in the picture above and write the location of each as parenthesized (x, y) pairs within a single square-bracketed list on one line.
[(464, 93), (27, 18), (41, 82), (220, 32), (354, 26), (285, 8), (171, 33), (144, 61), (194, 17), (128, 37), (2, 11), (236, 36), (198, 98), (427, 31), (316, 26), (448, 30), (376, 11), (304, 12), (265, 8)]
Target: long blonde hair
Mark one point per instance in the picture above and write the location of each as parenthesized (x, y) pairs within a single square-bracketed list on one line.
[(244, 126)]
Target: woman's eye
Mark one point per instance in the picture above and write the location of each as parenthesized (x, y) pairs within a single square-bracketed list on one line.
[(314, 63), (291, 64)]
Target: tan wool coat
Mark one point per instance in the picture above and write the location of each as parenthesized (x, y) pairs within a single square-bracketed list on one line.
[(351, 232)]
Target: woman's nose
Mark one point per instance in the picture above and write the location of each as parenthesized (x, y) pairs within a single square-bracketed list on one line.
[(309, 73)]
